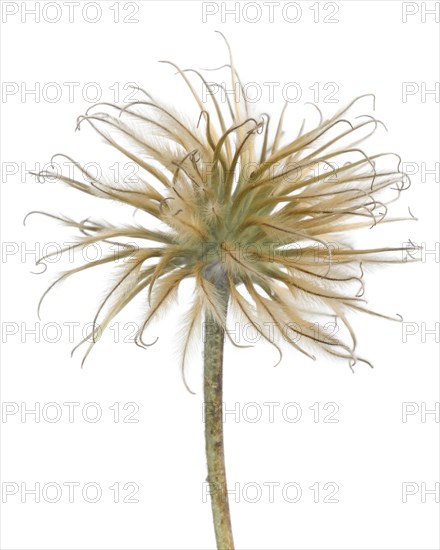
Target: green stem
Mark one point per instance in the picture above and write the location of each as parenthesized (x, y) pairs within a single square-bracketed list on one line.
[(213, 397)]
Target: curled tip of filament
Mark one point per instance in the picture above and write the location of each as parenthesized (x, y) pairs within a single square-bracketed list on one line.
[(83, 222), (190, 390), (58, 155), (317, 108), (279, 352), (145, 345), (411, 214), (361, 290), (361, 360), (369, 95), (354, 360), (374, 120), (39, 175), (142, 346), (39, 272), (89, 109), (200, 117), (163, 202), (185, 383), (223, 36), (169, 63), (138, 88), (78, 122), (29, 214)]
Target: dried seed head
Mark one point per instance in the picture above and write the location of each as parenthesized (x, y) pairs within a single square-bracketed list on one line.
[(238, 203)]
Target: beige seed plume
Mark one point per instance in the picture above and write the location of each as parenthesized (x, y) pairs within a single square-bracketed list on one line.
[(232, 197)]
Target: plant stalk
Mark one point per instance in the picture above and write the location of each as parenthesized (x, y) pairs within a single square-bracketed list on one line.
[(213, 400)]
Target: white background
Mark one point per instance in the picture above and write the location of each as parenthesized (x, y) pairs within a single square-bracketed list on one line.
[(369, 453)]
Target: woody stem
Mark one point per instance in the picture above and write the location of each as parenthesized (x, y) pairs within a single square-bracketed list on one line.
[(213, 398)]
